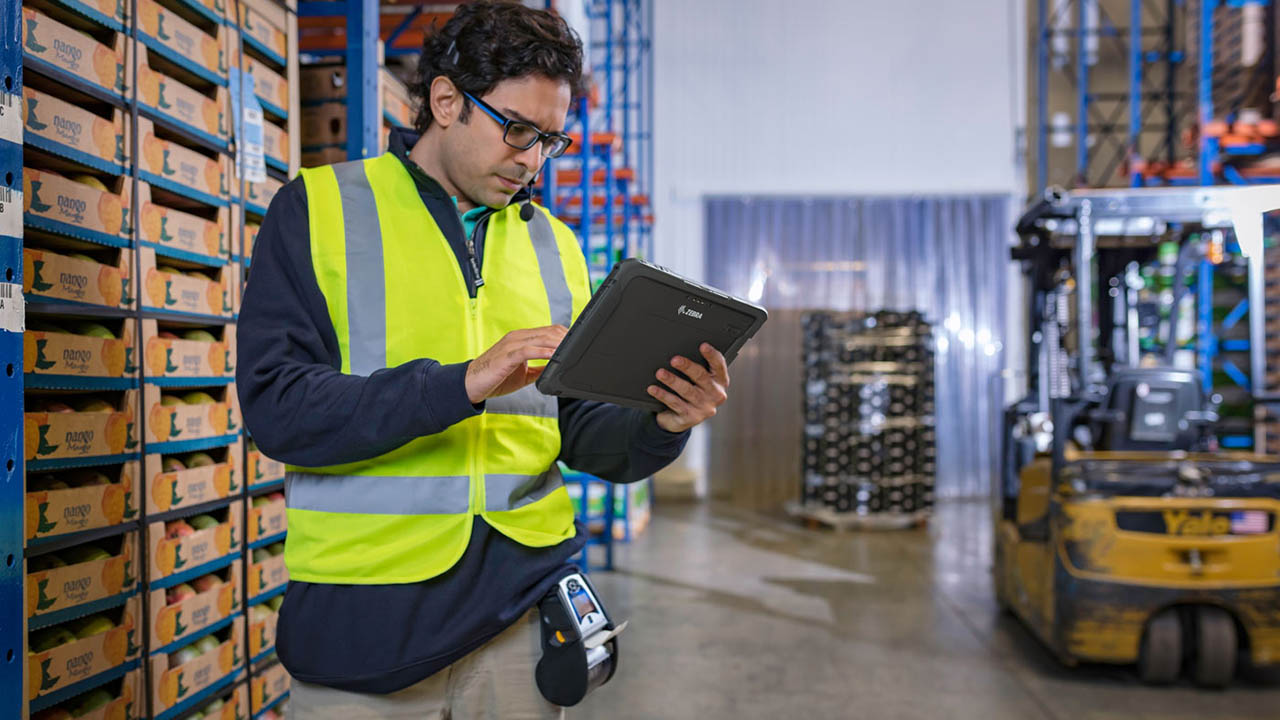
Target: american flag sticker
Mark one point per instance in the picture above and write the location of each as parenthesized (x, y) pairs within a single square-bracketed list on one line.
[(1249, 522)]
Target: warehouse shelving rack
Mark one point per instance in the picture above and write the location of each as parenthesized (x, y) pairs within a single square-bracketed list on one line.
[(212, 19)]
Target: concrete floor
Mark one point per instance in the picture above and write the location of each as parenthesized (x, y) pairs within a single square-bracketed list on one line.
[(739, 615)]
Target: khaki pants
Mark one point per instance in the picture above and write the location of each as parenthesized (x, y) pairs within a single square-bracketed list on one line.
[(494, 682)]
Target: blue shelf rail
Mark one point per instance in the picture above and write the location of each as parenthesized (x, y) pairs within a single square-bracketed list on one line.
[(12, 618)]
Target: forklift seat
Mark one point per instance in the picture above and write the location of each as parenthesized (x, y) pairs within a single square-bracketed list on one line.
[(1151, 408)]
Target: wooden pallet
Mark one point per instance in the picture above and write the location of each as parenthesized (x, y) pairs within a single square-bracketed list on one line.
[(815, 516)]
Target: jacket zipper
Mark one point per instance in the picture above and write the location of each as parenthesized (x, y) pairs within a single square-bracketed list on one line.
[(477, 429)]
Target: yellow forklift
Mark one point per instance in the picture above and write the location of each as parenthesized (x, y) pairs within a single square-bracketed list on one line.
[(1124, 533)]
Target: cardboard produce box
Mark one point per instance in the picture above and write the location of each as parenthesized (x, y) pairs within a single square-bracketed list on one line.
[(176, 681), (261, 469), (57, 126), (107, 429), (190, 353), (117, 700), (322, 82), (184, 610), (181, 41), (80, 658), (62, 277), (84, 349), (80, 500), (193, 546), (269, 687), (189, 479), (275, 143), (189, 415), (179, 230), (68, 49), (396, 101), (93, 574), (260, 194), (206, 291), (324, 124), (231, 707), (207, 115), (269, 84), (266, 516), (106, 12), (267, 572), (76, 207), (262, 629), (180, 169), (331, 155), (265, 23)]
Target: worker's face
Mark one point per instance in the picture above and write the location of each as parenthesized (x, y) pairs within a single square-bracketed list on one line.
[(483, 168)]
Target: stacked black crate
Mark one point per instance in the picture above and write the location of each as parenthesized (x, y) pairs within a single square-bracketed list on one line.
[(869, 442)]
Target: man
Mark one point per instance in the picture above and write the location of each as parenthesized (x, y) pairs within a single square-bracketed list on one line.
[(386, 342)]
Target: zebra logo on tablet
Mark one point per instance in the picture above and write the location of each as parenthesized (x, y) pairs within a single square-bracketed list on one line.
[(689, 312)]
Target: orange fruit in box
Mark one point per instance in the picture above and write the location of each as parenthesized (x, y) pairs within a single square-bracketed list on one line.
[(110, 285), (153, 147), (113, 356), (117, 439), (106, 135), (158, 421), (113, 501), (166, 556), (162, 491), (115, 646), (113, 575)]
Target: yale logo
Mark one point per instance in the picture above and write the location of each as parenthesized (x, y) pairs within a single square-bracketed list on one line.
[(689, 312), (1183, 522)]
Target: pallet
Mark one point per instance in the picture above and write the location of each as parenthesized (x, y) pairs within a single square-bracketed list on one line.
[(815, 516)]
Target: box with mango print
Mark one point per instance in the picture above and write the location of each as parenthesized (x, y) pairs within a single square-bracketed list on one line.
[(81, 575), (85, 499), (267, 573), (98, 276), (99, 426), (50, 43), (261, 470), (232, 706), (77, 205), (109, 13), (263, 619), (183, 170), (179, 612), (267, 517), (200, 51), (181, 675), (76, 651), (242, 248), (196, 291), (270, 85), (122, 699), (259, 195), (61, 128), (264, 24), (177, 415), (69, 353), (197, 236), (195, 353), (269, 686), (187, 479), (180, 546)]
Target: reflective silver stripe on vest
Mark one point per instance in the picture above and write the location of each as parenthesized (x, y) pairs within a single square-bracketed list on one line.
[(509, 492), (548, 252), (366, 278), (525, 401), (378, 495)]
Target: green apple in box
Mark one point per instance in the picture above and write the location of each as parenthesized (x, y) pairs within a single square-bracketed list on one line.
[(199, 335), (95, 405), (208, 643), (95, 700), (184, 656), (170, 400), (95, 330), (276, 602), (198, 397), (84, 553), (93, 625), (199, 459), (203, 522), (173, 464)]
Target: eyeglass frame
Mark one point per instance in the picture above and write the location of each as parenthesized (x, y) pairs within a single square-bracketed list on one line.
[(507, 122)]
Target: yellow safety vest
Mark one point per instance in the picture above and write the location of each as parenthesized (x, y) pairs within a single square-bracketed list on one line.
[(395, 293)]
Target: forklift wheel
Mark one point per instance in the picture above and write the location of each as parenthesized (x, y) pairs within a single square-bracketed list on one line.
[(1216, 647), (1161, 655)]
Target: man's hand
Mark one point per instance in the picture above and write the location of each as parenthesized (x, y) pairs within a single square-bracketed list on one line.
[(691, 403), (504, 368)]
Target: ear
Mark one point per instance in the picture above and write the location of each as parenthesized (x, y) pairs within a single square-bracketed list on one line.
[(446, 101)]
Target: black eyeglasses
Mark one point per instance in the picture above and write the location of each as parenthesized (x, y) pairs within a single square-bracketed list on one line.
[(522, 135)]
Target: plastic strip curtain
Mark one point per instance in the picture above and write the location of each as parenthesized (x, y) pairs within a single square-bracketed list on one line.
[(944, 256)]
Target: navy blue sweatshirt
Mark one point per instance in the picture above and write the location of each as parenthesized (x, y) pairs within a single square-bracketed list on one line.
[(302, 410)]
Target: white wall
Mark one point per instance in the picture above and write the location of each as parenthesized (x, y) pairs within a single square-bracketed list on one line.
[(835, 97)]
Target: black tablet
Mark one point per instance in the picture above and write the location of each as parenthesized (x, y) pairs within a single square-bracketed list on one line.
[(640, 318)]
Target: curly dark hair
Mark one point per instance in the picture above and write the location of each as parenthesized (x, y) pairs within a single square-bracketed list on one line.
[(485, 43)]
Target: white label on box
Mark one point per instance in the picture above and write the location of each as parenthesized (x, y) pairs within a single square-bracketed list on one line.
[(11, 117), (13, 310), (10, 212)]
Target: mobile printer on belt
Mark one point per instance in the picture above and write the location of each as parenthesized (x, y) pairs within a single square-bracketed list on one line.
[(579, 642)]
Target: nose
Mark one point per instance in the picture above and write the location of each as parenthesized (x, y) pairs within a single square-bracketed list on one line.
[(530, 158)]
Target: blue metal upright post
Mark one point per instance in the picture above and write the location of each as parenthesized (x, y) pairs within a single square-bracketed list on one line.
[(1135, 86), (363, 119), (1082, 107), (1206, 339), (1208, 145), (13, 619), (1042, 92)]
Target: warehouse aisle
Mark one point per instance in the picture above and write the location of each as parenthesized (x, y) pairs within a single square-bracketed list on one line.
[(737, 615)]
